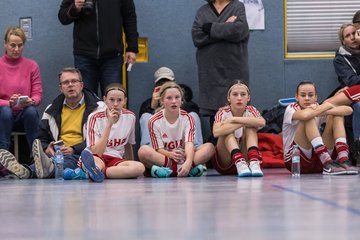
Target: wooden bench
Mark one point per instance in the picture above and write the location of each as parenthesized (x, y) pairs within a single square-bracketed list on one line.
[(15, 136)]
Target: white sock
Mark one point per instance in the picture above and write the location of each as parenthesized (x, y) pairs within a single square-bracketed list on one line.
[(341, 139), (317, 142)]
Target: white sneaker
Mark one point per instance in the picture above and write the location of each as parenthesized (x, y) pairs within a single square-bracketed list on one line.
[(242, 168), (255, 169)]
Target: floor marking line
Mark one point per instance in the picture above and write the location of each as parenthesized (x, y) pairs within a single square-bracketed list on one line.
[(324, 201)]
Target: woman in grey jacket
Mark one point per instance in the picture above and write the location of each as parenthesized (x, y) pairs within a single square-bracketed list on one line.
[(220, 33), (347, 68)]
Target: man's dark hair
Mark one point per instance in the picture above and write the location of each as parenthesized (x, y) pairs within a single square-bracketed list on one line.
[(356, 18)]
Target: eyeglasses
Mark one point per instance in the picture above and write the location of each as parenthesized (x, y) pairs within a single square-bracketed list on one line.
[(72, 81)]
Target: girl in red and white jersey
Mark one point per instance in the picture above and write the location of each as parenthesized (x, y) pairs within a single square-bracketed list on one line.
[(301, 124), (235, 127), (172, 151), (110, 135)]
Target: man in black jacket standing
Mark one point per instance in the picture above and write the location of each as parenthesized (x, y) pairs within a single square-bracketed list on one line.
[(97, 38)]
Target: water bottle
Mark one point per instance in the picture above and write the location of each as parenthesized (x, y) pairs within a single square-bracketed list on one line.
[(295, 162), (180, 162), (59, 165)]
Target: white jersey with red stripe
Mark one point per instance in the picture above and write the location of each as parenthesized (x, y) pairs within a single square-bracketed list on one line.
[(170, 136), (225, 112), (289, 128), (121, 133)]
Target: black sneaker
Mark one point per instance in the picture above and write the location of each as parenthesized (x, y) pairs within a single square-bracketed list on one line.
[(350, 170)]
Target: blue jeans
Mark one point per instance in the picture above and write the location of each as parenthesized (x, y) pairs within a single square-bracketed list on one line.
[(198, 139), (103, 71), (144, 129), (27, 120), (356, 120), (145, 136), (71, 161)]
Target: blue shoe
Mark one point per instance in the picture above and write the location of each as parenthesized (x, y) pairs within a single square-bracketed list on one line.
[(197, 171), (80, 174), (77, 174), (89, 164), (69, 174), (160, 172)]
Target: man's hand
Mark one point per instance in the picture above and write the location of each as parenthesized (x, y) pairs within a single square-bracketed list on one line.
[(50, 150), (79, 4), (357, 36), (67, 150), (156, 93), (130, 57)]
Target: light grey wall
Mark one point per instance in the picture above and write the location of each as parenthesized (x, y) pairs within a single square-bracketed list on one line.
[(167, 25)]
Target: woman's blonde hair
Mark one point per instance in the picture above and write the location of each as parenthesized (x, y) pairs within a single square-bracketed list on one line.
[(14, 31), (165, 87), (341, 31)]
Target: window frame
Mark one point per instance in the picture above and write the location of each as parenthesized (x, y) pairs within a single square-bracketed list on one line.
[(332, 25)]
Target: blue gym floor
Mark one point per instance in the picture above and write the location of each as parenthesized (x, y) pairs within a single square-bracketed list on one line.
[(210, 207)]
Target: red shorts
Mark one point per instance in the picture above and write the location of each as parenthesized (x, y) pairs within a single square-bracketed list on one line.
[(312, 165), (353, 93), (230, 170), (110, 161)]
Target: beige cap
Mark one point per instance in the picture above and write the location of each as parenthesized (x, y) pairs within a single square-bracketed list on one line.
[(164, 72)]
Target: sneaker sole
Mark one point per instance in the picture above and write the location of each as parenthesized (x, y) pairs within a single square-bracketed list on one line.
[(89, 164), (37, 159), (39, 167), (10, 163), (257, 174), (352, 172), (337, 173), (247, 174)]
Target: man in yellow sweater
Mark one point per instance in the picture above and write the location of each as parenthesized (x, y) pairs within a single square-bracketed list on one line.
[(64, 119)]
